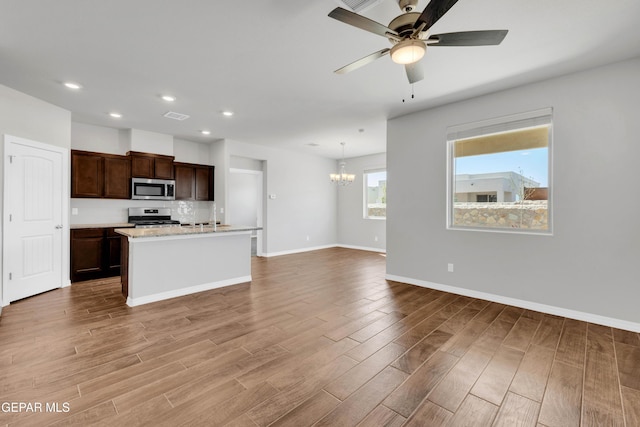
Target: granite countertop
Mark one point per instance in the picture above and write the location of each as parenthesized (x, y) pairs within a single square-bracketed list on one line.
[(108, 225), (182, 231)]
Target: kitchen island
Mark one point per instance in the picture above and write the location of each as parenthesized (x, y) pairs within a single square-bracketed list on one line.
[(163, 263)]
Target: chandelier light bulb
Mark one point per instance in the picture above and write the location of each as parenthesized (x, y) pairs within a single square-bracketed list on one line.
[(342, 177)]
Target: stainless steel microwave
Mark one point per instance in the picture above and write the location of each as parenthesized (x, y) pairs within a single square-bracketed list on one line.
[(153, 189)]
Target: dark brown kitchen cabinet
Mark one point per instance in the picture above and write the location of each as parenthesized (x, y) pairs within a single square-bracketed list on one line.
[(204, 183), (117, 177), (194, 182), (95, 253), (87, 254), (87, 174), (114, 247), (98, 175), (185, 181), (147, 165)]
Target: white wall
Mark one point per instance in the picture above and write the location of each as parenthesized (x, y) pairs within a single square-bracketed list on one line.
[(353, 229), (27, 117), (590, 263), (219, 157), (305, 203), (99, 139), (150, 142), (191, 152)]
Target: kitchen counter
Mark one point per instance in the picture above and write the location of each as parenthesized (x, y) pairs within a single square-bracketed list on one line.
[(184, 230), (169, 262), (113, 225)]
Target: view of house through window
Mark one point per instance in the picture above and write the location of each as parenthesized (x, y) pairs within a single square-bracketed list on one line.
[(375, 194), (499, 174)]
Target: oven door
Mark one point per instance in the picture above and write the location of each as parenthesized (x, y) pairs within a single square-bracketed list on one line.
[(152, 189)]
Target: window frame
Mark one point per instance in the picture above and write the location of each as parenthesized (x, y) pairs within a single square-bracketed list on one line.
[(365, 194), (491, 126)]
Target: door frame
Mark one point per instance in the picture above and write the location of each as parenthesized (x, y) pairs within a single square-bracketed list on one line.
[(64, 259), (260, 212)]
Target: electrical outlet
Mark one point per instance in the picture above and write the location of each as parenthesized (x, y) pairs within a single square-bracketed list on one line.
[(375, 239), (450, 267), (307, 238)]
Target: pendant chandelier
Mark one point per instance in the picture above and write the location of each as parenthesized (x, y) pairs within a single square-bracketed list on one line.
[(342, 177)]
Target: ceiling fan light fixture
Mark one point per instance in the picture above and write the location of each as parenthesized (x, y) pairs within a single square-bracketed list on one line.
[(408, 51)]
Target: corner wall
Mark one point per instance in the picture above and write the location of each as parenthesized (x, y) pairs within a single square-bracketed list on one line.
[(589, 265)]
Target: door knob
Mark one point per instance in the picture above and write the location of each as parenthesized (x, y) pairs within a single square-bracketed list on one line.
[(58, 227)]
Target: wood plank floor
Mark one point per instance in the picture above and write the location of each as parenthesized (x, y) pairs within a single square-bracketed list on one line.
[(318, 338)]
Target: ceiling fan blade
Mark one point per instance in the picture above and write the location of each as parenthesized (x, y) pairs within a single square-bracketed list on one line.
[(360, 21), (414, 72), (434, 11), (468, 38), (362, 61)]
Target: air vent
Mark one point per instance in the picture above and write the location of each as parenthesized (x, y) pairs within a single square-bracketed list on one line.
[(358, 5), (175, 116)]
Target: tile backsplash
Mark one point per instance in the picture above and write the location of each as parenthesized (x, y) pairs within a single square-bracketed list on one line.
[(107, 211)]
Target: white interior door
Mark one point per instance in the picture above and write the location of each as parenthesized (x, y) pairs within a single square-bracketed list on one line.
[(33, 219)]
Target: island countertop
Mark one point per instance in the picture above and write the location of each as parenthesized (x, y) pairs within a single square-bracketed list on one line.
[(182, 231)]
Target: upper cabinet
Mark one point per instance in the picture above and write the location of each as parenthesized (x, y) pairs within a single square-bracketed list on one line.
[(146, 165), (98, 175), (87, 174), (193, 182), (117, 177)]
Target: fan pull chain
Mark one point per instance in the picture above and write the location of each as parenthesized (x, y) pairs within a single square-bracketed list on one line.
[(412, 93)]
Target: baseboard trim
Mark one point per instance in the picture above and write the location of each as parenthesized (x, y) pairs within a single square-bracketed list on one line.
[(362, 248), (317, 248), (133, 302), (529, 305), (296, 251)]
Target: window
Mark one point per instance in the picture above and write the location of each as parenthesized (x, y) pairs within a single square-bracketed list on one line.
[(499, 174), (375, 194)]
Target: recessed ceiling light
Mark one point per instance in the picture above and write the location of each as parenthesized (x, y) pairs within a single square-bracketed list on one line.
[(205, 132), (168, 98), (115, 115), (72, 85), (227, 113)]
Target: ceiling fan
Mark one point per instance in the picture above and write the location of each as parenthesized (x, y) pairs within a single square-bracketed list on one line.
[(409, 34)]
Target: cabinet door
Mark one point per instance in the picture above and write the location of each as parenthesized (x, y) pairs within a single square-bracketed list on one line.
[(142, 167), (204, 183), (117, 177), (87, 254), (113, 250), (86, 174), (163, 168), (185, 182)]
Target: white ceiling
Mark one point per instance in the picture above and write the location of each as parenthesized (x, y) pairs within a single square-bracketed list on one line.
[(272, 62)]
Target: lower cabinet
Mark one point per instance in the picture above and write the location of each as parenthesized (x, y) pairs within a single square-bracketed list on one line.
[(95, 253)]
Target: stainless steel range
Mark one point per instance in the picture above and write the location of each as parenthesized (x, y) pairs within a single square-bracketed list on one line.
[(152, 217)]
